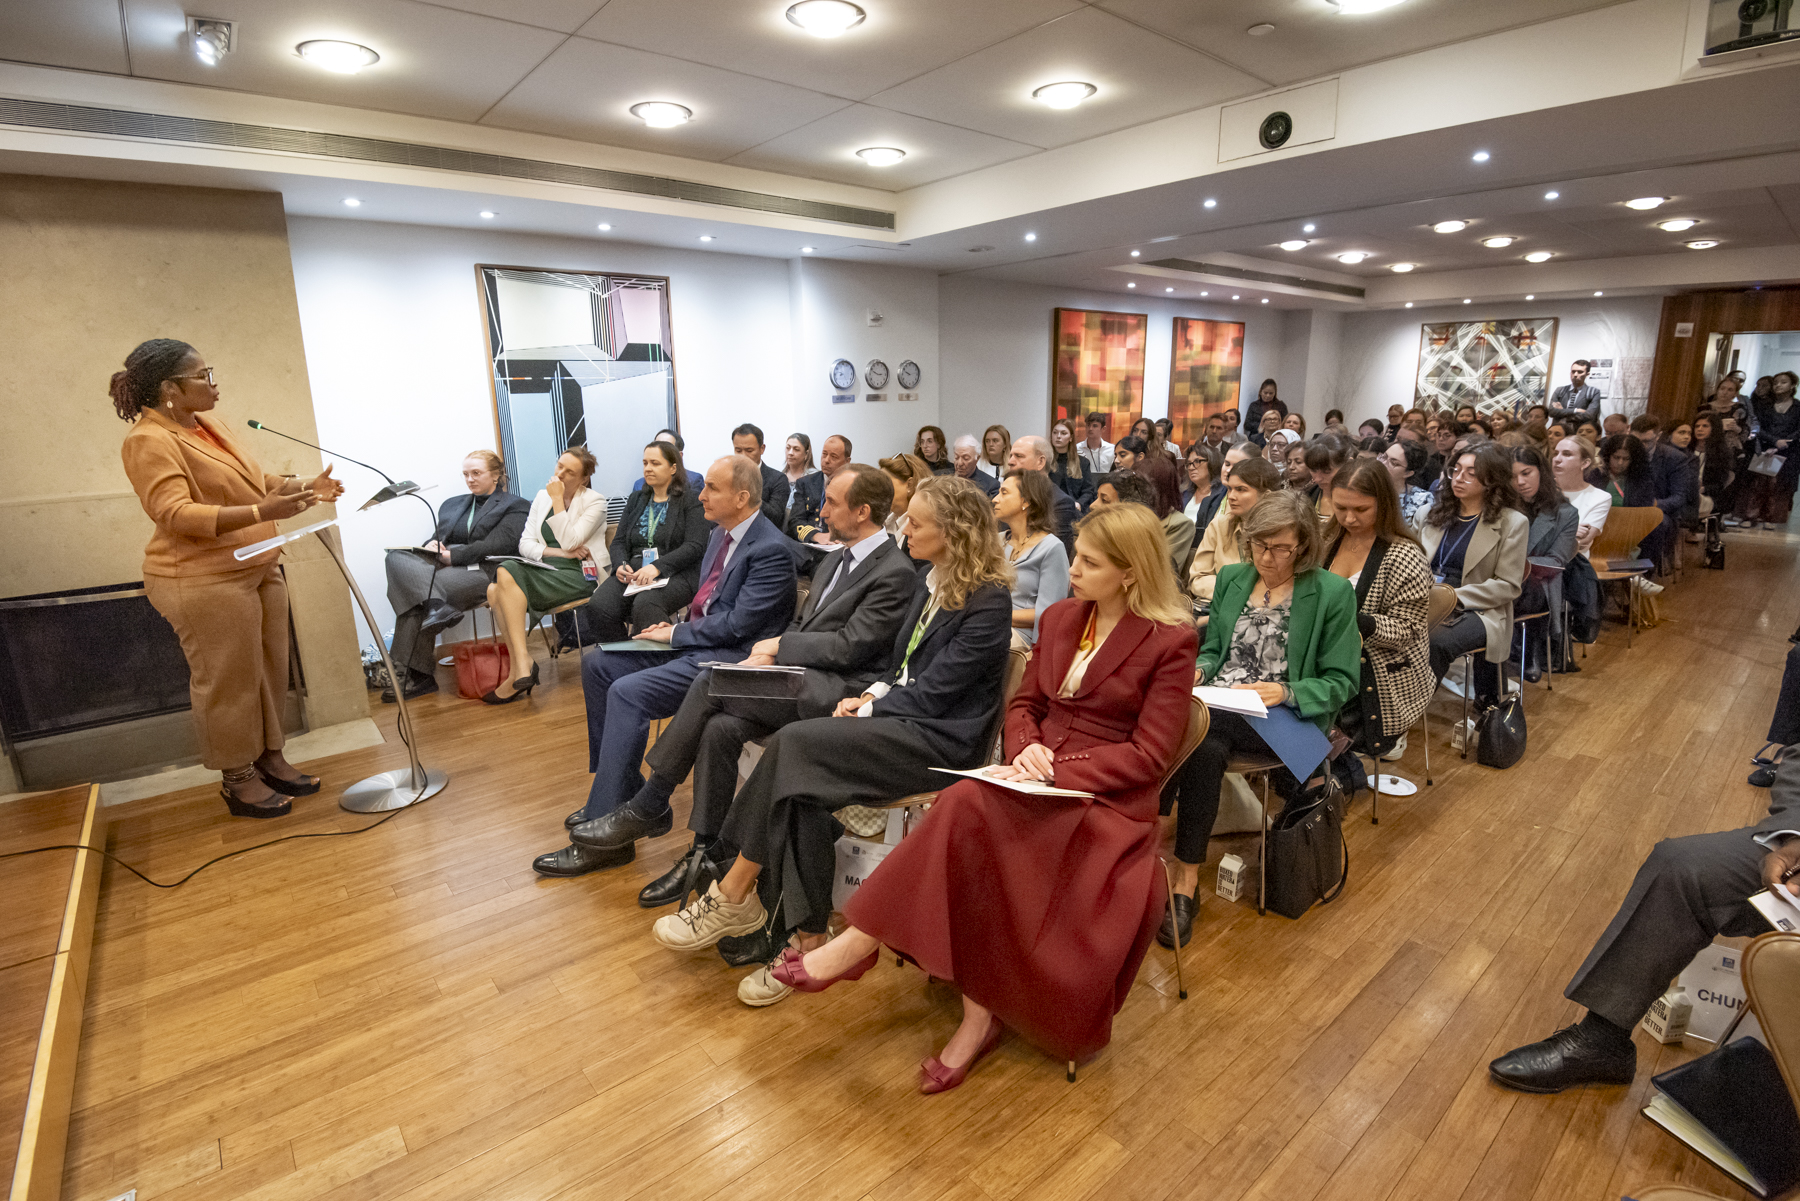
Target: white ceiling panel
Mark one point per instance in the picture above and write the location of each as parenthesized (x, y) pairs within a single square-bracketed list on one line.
[(1141, 76), (565, 16), (586, 89), (84, 34), (435, 62), (1311, 38), (899, 39), (827, 148)]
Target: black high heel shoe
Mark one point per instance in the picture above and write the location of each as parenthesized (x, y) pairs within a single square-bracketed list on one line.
[(304, 786), (522, 690), (527, 682), (242, 808)]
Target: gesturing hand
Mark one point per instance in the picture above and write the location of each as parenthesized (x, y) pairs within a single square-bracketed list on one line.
[(324, 487), (276, 505)]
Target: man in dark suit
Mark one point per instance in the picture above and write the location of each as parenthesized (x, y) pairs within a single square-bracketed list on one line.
[(1032, 453), (842, 637), (487, 520), (1577, 400), (1672, 478), (965, 457), (746, 593), (747, 440), (1689, 890)]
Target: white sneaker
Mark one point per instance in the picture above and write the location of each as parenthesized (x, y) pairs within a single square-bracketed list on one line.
[(1398, 752), (1644, 584), (760, 989), (705, 920)]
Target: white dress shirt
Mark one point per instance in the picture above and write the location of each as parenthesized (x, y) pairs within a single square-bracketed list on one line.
[(854, 555)]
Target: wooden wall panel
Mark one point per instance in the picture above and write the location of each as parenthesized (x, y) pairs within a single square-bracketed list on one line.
[(1676, 386)]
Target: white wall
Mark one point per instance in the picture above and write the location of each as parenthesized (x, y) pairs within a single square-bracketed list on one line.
[(1378, 353), (994, 340)]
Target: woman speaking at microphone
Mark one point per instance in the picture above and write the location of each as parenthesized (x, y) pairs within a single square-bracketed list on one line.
[(208, 498)]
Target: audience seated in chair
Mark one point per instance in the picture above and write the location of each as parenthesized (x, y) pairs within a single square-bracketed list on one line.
[(661, 536), (843, 636), (746, 593), (1406, 464), (1135, 454), (834, 456), (564, 539), (747, 440), (1283, 627), (1671, 480), (1475, 538), (1550, 543), (1039, 562), (1205, 491), (695, 480), (971, 896), (1130, 488), (1687, 892), (1368, 544), (487, 521), (1032, 453), (1068, 469), (966, 460), (935, 708), (806, 485), (1247, 482)]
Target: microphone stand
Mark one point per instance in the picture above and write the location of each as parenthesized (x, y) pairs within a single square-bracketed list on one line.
[(386, 790), (393, 489)]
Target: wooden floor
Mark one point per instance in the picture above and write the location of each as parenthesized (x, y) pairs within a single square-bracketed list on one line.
[(412, 1013)]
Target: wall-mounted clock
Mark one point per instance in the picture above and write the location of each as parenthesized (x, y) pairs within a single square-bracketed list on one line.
[(908, 375), (876, 374), (843, 374)]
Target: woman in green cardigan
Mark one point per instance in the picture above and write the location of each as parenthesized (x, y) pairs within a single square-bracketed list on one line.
[(1284, 628)]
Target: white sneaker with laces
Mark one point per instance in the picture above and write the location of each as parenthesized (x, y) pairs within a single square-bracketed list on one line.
[(760, 989), (705, 920), (1398, 752)]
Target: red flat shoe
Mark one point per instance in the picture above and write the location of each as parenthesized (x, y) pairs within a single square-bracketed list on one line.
[(934, 1077), (791, 971)]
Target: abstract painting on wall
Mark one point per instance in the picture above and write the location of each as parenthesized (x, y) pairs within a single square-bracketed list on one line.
[(578, 358), (1494, 365), (1097, 366), (1205, 372)]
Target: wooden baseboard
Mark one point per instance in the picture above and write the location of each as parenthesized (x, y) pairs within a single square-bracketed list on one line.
[(37, 1174)]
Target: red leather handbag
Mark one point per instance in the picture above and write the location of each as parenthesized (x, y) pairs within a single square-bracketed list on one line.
[(480, 666)]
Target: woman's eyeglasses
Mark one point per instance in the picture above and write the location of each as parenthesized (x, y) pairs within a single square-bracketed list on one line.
[(1270, 550), (206, 375)]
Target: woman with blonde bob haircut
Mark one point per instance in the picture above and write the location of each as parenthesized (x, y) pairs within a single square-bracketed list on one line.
[(1040, 908)]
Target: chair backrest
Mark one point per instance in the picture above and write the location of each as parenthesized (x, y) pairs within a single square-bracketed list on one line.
[(1440, 605), (1771, 968), (1625, 528), (1016, 659), (1199, 721)]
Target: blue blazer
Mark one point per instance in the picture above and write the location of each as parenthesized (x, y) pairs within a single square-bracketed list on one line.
[(755, 598)]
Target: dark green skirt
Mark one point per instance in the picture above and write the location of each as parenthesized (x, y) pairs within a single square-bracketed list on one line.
[(558, 582)]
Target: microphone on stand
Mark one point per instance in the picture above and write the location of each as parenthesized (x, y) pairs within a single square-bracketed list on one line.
[(393, 489)]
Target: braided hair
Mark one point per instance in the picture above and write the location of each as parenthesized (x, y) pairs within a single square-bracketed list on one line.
[(138, 386)]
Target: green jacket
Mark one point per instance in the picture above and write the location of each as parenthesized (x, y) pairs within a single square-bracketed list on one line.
[(1324, 649)]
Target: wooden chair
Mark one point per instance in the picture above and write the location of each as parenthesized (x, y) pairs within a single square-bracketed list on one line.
[(555, 648), (1199, 721), (1016, 659), (1612, 551), (1438, 608)]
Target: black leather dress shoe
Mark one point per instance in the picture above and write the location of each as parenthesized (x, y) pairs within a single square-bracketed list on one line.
[(579, 860), (417, 685), (1186, 908), (759, 946), (621, 828), (668, 888), (1533, 674), (1569, 1057)]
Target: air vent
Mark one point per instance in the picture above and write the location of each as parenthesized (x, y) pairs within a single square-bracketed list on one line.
[(1240, 274), (122, 123)]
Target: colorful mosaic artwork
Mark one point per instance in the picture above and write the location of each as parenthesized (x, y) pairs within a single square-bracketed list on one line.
[(1494, 365), (1097, 366), (1204, 375)]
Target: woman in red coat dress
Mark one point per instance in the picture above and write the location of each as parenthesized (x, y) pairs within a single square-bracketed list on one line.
[(1041, 907)]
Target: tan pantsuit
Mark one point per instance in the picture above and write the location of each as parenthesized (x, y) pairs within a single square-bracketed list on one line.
[(231, 617)]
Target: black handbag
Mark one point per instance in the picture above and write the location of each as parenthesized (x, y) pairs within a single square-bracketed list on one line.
[(1308, 858), (1500, 731)]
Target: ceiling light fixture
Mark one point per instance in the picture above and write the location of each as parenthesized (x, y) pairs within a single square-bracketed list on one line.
[(1131, 285), (661, 114), (1168, 289), (1402, 268), (1409, 304), (1265, 300), (1530, 296), (1234, 298), (1134, 254), (351, 202), (1066, 94), (1552, 195), (1498, 243), (487, 215), (1352, 257), (1450, 227), (1257, 31), (806, 249), (826, 18), (1206, 293), (342, 58), (1702, 244), (1645, 203), (1539, 256), (604, 227), (1295, 244), (1031, 237), (1209, 203), (1356, 8), (1467, 300), (212, 39), (706, 237), (1308, 228), (881, 156), (1480, 156), (1677, 225), (1599, 293)]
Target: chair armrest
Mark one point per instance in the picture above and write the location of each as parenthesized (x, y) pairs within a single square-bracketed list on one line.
[(907, 802)]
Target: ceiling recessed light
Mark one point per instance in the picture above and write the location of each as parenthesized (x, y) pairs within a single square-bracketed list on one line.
[(351, 202), (1067, 94), (343, 58), (806, 249), (826, 18), (1234, 298), (1308, 228), (1265, 300), (1355, 8), (1352, 257), (604, 227), (1646, 202), (660, 114), (1295, 244), (1480, 156), (1206, 293), (1539, 256), (1468, 300), (1702, 244), (1209, 203), (1168, 289), (1409, 304), (1031, 237), (1599, 293), (706, 237), (1134, 254), (1131, 285), (1530, 296), (1552, 195), (1677, 225), (212, 39), (487, 215), (1450, 227), (1402, 268), (1497, 243), (881, 156), (1257, 31)]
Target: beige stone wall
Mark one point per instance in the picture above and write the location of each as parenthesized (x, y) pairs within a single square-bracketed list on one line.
[(91, 269)]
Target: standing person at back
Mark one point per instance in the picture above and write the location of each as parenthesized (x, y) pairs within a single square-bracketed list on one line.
[(1265, 400), (747, 440), (1576, 400)]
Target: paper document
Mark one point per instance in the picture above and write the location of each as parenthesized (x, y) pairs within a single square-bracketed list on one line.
[(423, 550), (636, 644), (1029, 787), (634, 589), (1233, 700), (520, 559), (1779, 907), (775, 667)]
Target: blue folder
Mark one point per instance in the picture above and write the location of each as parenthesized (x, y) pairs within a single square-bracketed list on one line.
[(1294, 739)]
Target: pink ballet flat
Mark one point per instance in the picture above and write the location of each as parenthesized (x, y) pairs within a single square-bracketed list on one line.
[(934, 1077)]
